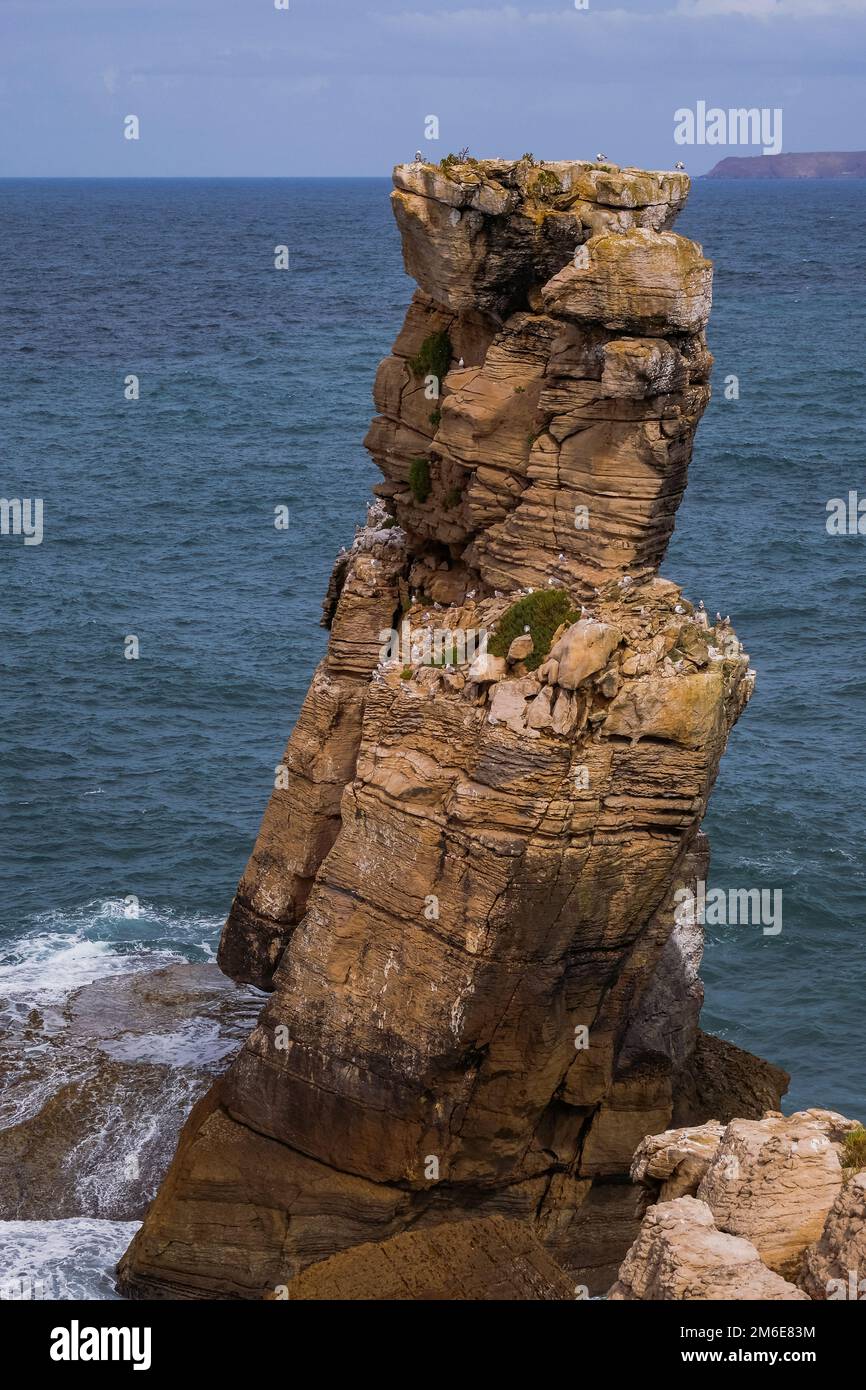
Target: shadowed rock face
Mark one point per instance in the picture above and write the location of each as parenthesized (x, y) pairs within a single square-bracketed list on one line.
[(478, 1260), (462, 897)]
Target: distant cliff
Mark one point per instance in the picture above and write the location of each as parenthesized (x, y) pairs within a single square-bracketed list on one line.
[(825, 164)]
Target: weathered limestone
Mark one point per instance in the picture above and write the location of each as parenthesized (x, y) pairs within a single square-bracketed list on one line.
[(461, 900), (774, 1181), (679, 1254), (835, 1266), (769, 1198), (672, 1164)]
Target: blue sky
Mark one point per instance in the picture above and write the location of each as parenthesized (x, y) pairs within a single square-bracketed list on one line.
[(333, 87)]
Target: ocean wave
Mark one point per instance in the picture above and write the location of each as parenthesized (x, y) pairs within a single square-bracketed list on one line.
[(59, 950), (61, 1260)]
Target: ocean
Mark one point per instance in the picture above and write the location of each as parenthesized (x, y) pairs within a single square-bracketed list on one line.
[(133, 789)]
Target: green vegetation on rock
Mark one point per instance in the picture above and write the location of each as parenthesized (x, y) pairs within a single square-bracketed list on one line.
[(454, 161), (542, 613), (419, 479), (547, 185), (433, 357), (854, 1152)]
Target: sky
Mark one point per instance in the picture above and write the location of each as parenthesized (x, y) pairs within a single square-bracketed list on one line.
[(343, 87)]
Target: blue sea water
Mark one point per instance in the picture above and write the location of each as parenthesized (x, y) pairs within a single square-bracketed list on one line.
[(146, 779)]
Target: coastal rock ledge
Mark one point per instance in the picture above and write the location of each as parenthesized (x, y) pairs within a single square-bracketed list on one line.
[(463, 897)]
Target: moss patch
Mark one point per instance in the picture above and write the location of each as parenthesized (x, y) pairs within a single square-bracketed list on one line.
[(419, 479), (433, 357), (463, 159), (547, 186), (542, 613)]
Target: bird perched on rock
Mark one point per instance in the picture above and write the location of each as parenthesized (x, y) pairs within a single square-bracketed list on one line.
[(679, 164), (460, 364), (600, 157), (419, 158)]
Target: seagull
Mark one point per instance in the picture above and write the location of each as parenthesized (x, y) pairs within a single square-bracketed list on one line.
[(599, 157), (561, 557), (460, 364), (679, 164), (419, 158)]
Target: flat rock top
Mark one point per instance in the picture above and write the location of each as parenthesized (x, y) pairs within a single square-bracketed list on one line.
[(484, 1260)]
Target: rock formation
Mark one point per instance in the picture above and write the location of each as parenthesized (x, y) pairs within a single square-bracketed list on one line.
[(680, 1255), (835, 1266), (482, 1260), (752, 1209), (461, 899)]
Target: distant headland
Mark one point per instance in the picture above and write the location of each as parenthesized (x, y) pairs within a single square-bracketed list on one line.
[(825, 164)]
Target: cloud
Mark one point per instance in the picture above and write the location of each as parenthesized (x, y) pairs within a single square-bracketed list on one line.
[(770, 9)]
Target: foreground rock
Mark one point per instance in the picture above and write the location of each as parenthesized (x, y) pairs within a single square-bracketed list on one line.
[(478, 1260), (673, 1164), (776, 1185), (462, 898), (680, 1255), (774, 1181), (835, 1266)]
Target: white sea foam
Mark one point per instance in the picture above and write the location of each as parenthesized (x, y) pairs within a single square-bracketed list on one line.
[(59, 1260), (61, 951)]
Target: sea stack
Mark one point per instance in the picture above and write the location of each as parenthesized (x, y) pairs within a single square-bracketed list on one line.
[(463, 897)]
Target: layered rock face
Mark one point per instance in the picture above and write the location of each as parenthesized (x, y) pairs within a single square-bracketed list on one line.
[(462, 897)]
